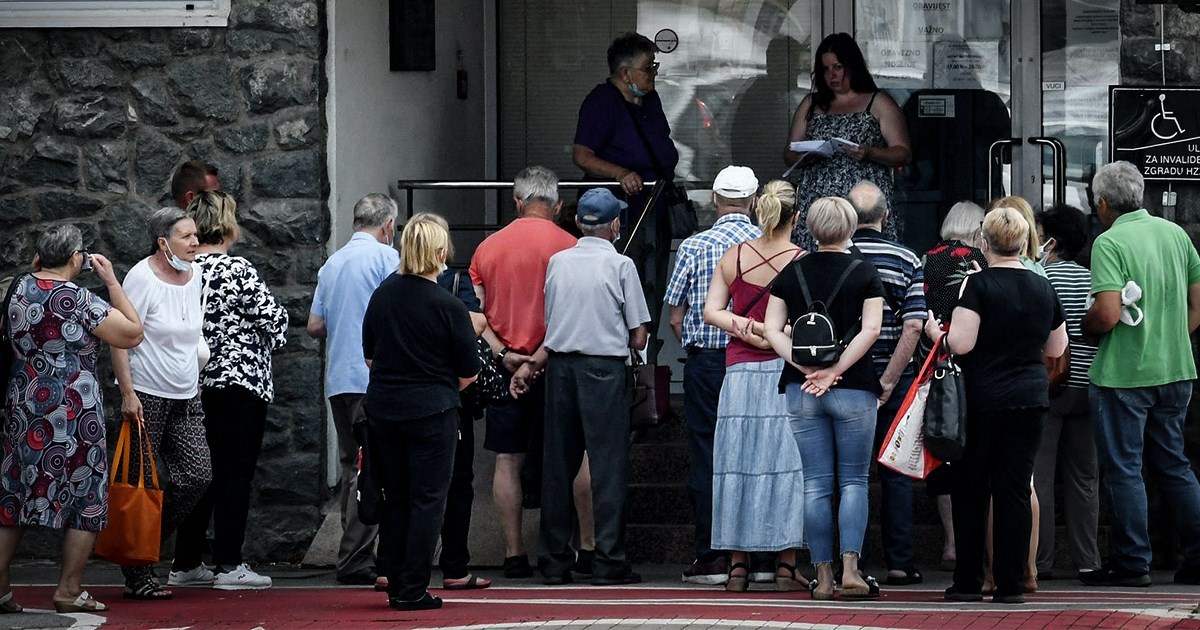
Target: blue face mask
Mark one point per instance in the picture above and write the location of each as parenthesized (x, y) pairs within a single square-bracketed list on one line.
[(637, 91), (177, 263)]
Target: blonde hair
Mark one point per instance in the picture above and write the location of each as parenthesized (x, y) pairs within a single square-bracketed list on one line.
[(440, 220), (1032, 244), (422, 242), (831, 220), (215, 214), (1005, 231), (777, 201)]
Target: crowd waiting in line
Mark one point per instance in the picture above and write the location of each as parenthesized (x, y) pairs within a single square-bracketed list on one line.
[(772, 437)]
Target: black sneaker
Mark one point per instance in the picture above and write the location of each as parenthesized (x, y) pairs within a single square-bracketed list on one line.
[(517, 567), (1188, 575), (712, 573), (427, 602), (632, 577), (1112, 576), (584, 559), (557, 579), (1013, 598)]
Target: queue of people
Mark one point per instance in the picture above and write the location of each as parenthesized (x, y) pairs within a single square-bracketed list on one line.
[(780, 443)]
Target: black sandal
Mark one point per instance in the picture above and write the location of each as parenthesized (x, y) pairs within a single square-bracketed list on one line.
[(738, 583), (794, 581), (146, 588)]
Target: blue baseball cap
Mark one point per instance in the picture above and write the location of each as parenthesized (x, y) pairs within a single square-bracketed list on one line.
[(598, 206)]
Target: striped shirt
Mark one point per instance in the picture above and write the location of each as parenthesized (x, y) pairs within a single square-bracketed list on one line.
[(695, 261), (903, 291), (1073, 283)]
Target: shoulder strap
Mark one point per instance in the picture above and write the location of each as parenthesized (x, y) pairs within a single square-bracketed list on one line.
[(842, 279), (765, 290), (872, 101), (739, 259), (8, 295), (804, 288)]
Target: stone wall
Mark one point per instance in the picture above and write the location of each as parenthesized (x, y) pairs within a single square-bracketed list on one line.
[(93, 123)]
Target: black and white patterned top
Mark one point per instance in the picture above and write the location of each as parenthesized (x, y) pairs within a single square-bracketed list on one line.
[(243, 324)]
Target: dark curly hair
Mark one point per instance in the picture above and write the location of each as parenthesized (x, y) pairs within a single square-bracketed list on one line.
[(1067, 225)]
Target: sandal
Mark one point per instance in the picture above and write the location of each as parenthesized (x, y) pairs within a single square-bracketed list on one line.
[(466, 583), (910, 577), (738, 583), (7, 605), (146, 588), (871, 591), (812, 589), (82, 604), (381, 584), (794, 581)]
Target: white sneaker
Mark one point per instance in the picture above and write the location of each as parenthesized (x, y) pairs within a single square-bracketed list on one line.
[(241, 578), (199, 576)]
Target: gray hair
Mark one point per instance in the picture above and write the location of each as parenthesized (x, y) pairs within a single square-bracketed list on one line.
[(536, 183), (374, 210), (868, 201), (1121, 185), (962, 221), (161, 223), (56, 245)]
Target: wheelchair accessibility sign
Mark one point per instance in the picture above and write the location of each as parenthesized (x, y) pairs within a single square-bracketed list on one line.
[(1157, 129)]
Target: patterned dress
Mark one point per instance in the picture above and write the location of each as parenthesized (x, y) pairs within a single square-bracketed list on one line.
[(834, 176), (55, 466)]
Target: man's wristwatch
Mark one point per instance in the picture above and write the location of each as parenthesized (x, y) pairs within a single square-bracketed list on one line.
[(504, 351)]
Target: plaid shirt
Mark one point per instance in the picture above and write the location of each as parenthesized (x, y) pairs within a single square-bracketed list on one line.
[(695, 261)]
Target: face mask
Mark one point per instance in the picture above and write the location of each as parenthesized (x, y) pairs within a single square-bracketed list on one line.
[(1045, 252), (177, 263), (443, 268), (637, 91)]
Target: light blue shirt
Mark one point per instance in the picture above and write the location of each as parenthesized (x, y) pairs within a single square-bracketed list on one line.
[(344, 286), (593, 300)]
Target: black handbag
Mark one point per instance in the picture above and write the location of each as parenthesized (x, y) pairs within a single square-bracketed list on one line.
[(491, 386), (6, 349), (649, 404), (945, 429), (370, 492)]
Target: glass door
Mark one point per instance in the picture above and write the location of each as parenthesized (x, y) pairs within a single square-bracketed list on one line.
[(948, 66)]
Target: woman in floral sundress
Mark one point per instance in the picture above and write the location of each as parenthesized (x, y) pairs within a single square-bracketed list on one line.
[(845, 103), (55, 459)]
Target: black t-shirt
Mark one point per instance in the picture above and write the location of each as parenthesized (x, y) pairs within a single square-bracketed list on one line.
[(1018, 310), (420, 339), (821, 271)]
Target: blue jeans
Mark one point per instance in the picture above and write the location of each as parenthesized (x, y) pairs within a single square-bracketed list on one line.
[(702, 378), (833, 430), (896, 490), (1145, 425)]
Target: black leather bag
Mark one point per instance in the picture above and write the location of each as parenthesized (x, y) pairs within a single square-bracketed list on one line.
[(815, 340), (946, 409), (6, 349), (681, 212), (370, 492), (649, 402)]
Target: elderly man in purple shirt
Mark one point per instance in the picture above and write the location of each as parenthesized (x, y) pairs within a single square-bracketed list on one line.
[(623, 135)]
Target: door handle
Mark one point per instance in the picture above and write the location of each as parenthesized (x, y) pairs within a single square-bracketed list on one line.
[(993, 159), (1058, 155)]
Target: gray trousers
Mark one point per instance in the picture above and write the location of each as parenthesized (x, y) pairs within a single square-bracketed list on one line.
[(1068, 440), (587, 408), (357, 550)]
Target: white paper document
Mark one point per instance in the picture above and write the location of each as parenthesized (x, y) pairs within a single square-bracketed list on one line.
[(823, 148)]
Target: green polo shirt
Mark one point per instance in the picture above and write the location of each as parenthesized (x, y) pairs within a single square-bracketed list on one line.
[(1159, 256)]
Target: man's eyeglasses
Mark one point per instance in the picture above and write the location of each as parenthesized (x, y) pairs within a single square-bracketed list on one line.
[(650, 69)]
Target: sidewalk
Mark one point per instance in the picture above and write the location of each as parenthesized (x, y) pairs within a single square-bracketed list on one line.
[(304, 598)]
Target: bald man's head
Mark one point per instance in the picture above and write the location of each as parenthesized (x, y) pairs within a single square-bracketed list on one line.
[(869, 203)]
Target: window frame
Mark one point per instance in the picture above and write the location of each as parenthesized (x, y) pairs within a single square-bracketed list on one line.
[(113, 13)]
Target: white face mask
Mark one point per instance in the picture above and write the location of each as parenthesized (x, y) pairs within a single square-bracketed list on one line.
[(1044, 252), (177, 263)]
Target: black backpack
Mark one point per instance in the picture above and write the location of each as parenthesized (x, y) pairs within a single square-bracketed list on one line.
[(815, 340)]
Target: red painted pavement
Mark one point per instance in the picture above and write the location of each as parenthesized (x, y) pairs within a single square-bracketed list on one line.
[(362, 608)]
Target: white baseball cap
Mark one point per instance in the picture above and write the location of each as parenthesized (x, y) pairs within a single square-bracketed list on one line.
[(735, 182)]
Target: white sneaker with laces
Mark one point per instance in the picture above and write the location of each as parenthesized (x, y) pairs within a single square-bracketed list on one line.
[(199, 576), (241, 578)]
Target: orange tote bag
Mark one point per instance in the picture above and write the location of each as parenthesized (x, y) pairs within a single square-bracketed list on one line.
[(134, 529)]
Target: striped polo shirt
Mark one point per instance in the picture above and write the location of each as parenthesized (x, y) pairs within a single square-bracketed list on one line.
[(1073, 283), (903, 289)]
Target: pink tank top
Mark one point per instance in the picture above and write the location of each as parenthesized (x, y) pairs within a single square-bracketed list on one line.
[(742, 293)]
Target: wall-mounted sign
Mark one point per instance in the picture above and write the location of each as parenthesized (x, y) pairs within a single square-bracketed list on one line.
[(1157, 129), (666, 40)]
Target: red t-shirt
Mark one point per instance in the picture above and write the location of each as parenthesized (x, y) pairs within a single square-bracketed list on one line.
[(510, 265)]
